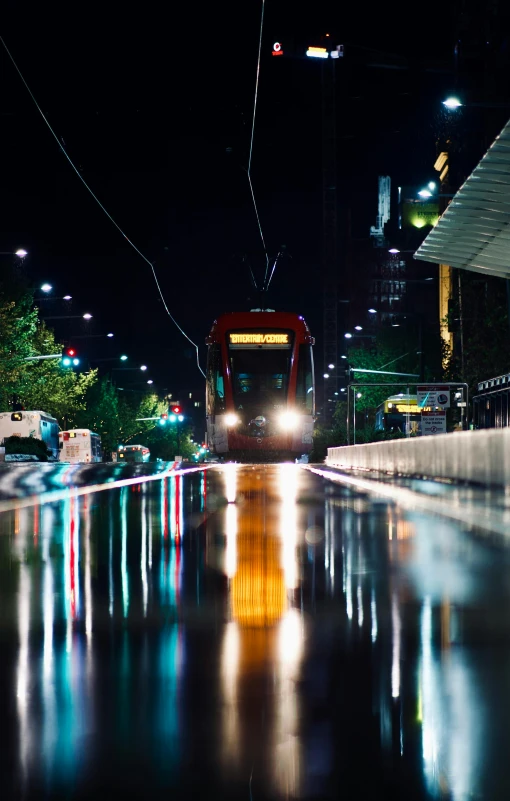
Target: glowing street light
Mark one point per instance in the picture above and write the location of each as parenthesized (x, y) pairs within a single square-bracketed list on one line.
[(21, 253), (143, 367), (425, 193), (67, 297), (46, 288), (372, 311), (331, 366), (432, 186), (358, 328), (123, 358), (343, 357), (452, 103), (109, 336), (393, 250), (150, 381), (348, 336), (326, 375), (87, 316)]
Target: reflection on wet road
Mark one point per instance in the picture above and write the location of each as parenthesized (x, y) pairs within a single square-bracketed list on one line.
[(250, 632)]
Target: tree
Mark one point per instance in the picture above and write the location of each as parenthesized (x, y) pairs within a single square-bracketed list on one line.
[(18, 323), (102, 413), (48, 386)]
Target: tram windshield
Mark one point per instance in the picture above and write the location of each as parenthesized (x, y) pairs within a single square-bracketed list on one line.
[(260, 376)]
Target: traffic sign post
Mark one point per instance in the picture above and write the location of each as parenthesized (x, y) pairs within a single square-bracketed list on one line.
[(433, 423)]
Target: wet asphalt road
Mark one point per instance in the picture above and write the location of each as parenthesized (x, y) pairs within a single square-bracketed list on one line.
[(250, 633)]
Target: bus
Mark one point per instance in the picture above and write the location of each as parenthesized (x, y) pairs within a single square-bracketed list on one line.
[(399, 413), (133, 453), (35, 424), (260, 389), (80, 445)]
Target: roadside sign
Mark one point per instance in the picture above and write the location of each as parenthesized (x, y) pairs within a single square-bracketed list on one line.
[(433, 396), (433, 423)]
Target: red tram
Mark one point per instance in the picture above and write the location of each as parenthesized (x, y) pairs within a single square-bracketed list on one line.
[(260, 390)]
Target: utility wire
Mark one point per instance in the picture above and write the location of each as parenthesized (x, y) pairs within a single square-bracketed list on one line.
[(251, 141), (117, 226)]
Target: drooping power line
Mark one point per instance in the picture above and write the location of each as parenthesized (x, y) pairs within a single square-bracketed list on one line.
[(251, 141), (117, 226)]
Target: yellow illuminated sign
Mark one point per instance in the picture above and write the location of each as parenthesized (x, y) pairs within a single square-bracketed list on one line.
[(259, 339)]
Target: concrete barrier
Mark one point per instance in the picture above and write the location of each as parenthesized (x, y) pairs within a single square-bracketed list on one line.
[(481, 457)]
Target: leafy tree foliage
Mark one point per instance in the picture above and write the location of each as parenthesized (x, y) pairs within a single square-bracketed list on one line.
[(18, 324), (46, 385)]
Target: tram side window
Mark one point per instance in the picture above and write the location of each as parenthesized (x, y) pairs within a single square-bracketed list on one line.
[(215, 382), (304, 387)]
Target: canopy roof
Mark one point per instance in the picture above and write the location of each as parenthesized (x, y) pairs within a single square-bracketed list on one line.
[(474, 231)]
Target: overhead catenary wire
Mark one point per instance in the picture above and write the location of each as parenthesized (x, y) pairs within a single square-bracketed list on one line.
[(84, 182), (248, 171)]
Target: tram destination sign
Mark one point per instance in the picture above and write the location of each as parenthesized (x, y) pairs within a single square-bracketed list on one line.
[(433, 396), (259, 338)]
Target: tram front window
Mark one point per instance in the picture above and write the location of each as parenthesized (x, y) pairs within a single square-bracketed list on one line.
[(260, 376)]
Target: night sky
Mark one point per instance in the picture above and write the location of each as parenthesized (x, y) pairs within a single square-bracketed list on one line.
[(155, 109)]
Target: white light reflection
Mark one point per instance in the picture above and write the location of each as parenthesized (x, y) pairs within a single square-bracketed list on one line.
[(287, 748), (288, 475), (373, 613), (124, 571), (430, 711), (88, 575), (230, 654), (231, 534), (143, 556), (230, 473), (396, 629), (48, 590), (24, 592), (359, 597), (348, 584), (329, 550), (110, 562)]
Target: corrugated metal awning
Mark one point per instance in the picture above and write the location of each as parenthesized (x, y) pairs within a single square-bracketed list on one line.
[(474, 231)]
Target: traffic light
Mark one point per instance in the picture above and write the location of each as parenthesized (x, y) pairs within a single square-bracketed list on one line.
[(176, 409), (70, 358), (163, 419)]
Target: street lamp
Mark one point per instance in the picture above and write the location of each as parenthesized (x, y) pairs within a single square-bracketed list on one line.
[(46, 288), (373, 311), (358, 328), (150, 381), (452, 103), (123, 358), (425, 193), (348, 336), (67, 297), (326, 375), (21, 253), (87, 316), (143, 367), (109, 336)]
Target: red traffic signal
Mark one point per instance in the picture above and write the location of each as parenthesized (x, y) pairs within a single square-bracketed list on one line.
[(70, 352), (176, 409), (164, 416)]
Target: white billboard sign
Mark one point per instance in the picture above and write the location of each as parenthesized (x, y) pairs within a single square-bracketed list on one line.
[(433, 396)]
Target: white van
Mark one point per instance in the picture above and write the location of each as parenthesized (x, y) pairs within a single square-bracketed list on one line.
[(80, 445)]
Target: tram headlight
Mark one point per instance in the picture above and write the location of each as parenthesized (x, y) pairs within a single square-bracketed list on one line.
[(289, 420), (231, 419)]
